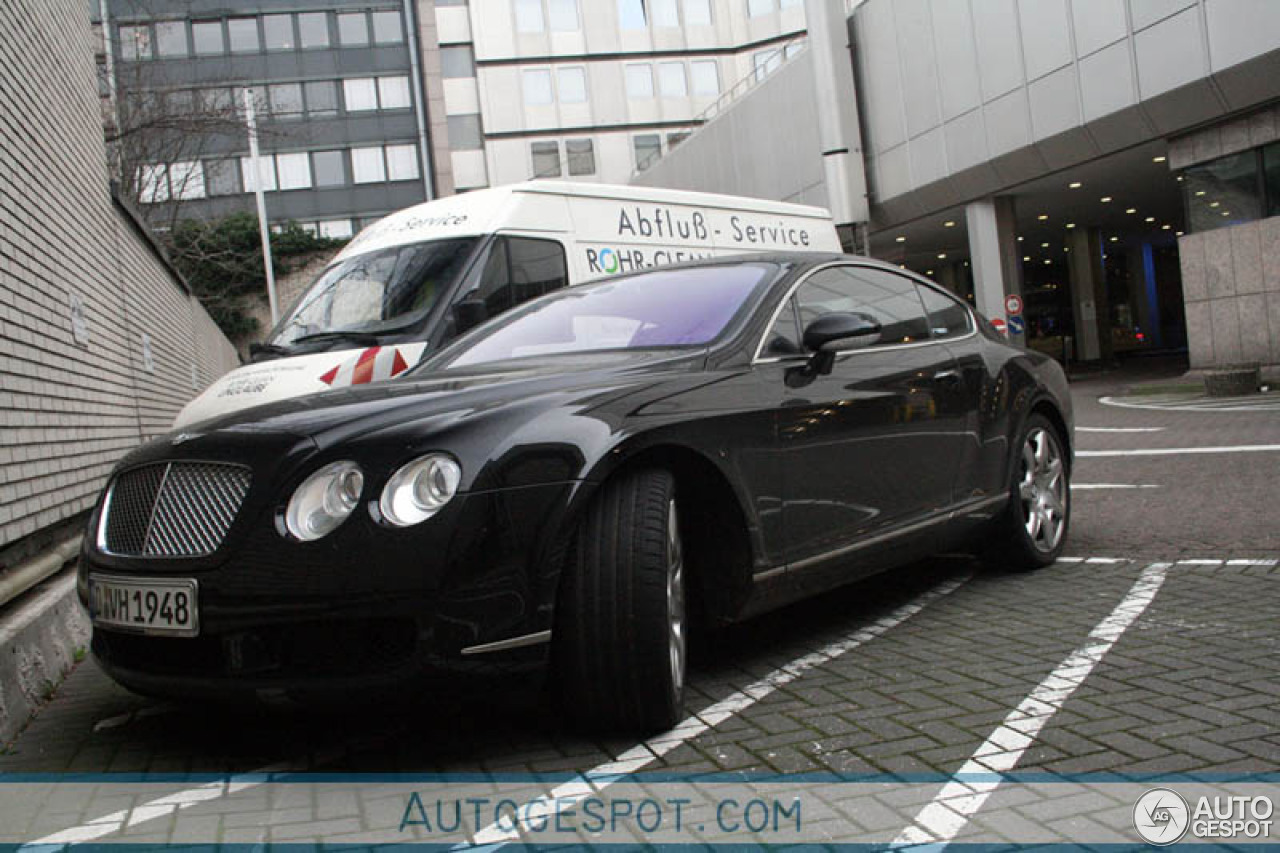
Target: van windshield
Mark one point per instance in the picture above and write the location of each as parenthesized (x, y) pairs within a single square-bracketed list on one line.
[(380, 292)]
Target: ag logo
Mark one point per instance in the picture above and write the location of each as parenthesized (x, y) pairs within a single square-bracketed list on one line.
[(1161, 816)]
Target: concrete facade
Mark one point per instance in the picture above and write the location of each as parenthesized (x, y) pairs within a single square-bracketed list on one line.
[(101, 343)]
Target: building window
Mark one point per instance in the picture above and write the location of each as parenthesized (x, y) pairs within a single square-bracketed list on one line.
[(457, 62), (277, 32), (387, 28), (367, 165), (640, 81), (294, 171), (564, 16), (664, 13), (186, 180), (581, 155), (766, 62), (529, 16), (546, 159), (756, 8), (648, 148), (268, 167), (243, 33), (787, 4), (216, 101), (353, 29), (465, 133), (286, 101), (335, 229), (1271, 177), (329, 168), (393, 93), (135, 42), (220, 177), (706, 77), (537, 87), (697, 13), (313, 29), (402, 162), (1223, 192), (171, 38), (322, 98), (793, 47), (360, 94), (671, 80), (631, 15), (674, 139), (571, 85), (207, 38)]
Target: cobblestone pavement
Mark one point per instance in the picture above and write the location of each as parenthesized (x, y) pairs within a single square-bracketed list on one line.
[(1190, 687)]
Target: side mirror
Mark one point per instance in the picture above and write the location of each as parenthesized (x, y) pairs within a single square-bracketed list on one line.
[(468, 314), (838, 330)]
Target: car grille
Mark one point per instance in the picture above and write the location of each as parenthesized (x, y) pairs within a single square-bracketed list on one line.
[(173, 509)]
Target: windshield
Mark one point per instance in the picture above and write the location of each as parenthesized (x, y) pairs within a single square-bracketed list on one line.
[(377, 292), (669, 308)]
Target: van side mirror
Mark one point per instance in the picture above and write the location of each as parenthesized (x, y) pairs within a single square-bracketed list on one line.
[(469, 313), (836, 331)]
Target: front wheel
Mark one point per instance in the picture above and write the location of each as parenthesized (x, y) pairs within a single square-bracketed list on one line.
[(1033, 529), (621, 631)]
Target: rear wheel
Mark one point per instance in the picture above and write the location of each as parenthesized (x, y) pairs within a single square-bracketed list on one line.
[(621, 630), (1033, 529)]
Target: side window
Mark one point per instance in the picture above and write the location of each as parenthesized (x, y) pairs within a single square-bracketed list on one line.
[(890, 299), (517, 270), (947, 317), (784, 337)]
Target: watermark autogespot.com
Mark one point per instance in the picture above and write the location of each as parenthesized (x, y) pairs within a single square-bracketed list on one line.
[(1164, 817)]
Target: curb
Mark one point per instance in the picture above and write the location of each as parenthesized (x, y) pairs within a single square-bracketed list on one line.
[(39, 635)]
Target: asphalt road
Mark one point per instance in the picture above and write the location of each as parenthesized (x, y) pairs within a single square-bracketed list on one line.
[(1163, 623)]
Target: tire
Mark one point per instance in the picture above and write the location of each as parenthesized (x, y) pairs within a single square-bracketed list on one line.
[(1032, 531), (621, 626)]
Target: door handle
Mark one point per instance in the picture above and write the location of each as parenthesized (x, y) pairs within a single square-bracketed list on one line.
[(948, 376)]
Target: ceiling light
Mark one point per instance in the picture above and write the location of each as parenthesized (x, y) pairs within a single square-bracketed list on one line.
[(1159, 159), (1047, 261), (1131, 210), (1179, 179), (1019, 239), (928, 272), (942, 256), (1226, 213), (1150, 219), (1199, 193), (1044, 245), (1071, 225), (1166, 227), (1105, 199), (1075, 185), (900, 239), (948, 224), (1026, 258), (1042, 217), (1115, 239), (1066, 248), (1213, 204), (1177, 233)]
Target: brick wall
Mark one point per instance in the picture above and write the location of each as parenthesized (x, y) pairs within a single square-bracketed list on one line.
[(69, 408)]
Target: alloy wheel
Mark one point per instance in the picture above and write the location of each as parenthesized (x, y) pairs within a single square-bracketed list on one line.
[(1043, 490)]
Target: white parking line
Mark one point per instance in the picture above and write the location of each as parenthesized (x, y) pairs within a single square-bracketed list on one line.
[(635, 758), (1085, 487), (1119, 429), (943, 818), (1177, 451)]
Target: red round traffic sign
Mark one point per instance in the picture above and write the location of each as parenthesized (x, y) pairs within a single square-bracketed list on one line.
[(1000, 325), (1013, 304)]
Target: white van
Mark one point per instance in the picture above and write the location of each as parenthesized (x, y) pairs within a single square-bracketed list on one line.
[(417, 278)]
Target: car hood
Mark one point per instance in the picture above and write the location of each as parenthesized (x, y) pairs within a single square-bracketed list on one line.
[(448, 397)]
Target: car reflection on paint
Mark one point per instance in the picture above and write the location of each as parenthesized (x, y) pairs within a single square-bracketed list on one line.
[(567, 488)]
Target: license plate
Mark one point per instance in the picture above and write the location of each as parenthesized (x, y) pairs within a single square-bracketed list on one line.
[(151, 606)]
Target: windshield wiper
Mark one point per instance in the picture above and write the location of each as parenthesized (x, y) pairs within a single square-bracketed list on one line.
[(361, 338), (273, 350)]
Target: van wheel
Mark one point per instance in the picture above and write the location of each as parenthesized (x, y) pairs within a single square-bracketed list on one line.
[(1032, 531), (621, 629)]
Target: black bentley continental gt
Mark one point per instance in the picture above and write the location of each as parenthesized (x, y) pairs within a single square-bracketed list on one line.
[(565, 488)]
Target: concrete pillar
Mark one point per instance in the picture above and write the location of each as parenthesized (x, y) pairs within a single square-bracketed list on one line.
[(1088, 295), (947, 277), (993, 250), (839, 129), (1142, 292)]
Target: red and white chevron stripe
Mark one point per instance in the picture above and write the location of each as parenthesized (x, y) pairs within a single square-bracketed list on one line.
[(371, 365)]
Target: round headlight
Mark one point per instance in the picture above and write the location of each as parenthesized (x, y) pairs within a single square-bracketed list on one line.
[(418, 490), (324, 500)]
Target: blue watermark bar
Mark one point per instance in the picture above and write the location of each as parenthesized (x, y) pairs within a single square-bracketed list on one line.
[(463, 811)]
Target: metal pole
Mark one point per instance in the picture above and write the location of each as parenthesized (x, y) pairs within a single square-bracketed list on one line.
[(260, 197), (417, 91)]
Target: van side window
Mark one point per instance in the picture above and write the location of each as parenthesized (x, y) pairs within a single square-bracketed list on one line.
[(518, 269)]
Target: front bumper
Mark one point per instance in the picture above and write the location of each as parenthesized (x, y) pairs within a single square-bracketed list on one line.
[(363, 608)]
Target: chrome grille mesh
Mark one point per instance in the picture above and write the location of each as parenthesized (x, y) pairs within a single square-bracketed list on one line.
[(174, 509)]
